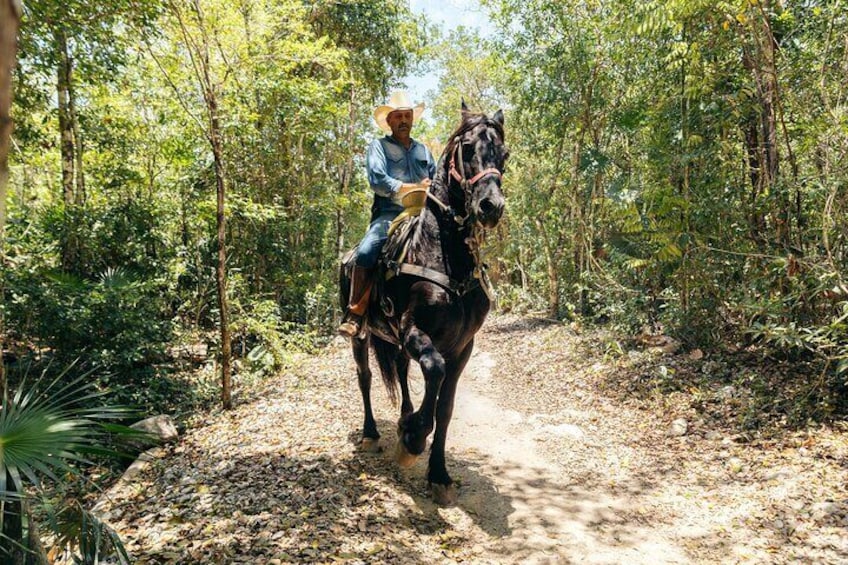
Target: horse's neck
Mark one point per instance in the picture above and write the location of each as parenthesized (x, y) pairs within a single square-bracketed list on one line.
[(440, 241)]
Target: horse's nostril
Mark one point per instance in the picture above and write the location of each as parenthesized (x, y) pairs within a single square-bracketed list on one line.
[(491, 208)]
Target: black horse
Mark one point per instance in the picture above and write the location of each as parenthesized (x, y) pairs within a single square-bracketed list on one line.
[(438, 298)]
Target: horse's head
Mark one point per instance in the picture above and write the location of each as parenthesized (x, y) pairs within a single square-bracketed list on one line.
[(477, 155)]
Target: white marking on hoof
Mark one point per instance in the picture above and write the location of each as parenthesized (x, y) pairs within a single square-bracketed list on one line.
[(404, 458), (370, 445), (444, 495)]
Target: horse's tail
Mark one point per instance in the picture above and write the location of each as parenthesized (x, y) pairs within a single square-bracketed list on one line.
[(387, 354)]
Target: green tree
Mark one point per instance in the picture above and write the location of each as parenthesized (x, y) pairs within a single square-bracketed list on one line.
[(10, 13), (79, 43)]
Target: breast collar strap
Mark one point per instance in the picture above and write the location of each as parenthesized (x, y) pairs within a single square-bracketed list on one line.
[(460, 288)]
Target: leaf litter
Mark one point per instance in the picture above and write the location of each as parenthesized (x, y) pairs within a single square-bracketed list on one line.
[(579, 467)]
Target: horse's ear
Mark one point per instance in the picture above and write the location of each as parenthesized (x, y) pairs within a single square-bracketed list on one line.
[(499, 117), (464, 109)]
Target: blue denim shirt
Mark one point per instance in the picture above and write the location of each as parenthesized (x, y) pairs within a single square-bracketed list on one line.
[(390, 164)]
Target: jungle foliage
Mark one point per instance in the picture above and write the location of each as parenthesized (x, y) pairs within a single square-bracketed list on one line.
[(111, 243), (182, 178), (677, 167)]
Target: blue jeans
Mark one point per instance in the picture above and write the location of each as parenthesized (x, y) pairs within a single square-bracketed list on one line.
[(369, 248)]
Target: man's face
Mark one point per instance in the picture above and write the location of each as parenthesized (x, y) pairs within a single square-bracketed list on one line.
[(400, 121)]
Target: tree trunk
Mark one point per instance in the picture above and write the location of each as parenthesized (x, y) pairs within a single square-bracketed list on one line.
[(199, 48), (221, 268), (347, 171), (63, 80), (79, 197), (37, 555), (10, 13), (63, 77), (578, 213), (768, 115), (12, 542), (762, 65), (755, 149), (551, 262)]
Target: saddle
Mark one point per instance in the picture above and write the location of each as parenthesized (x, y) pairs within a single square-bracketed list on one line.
[(394, 250), (380, 317)]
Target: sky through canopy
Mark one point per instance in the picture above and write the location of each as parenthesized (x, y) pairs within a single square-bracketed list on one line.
[(449, 14)]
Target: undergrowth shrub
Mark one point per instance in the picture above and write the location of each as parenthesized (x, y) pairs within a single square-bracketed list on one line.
[(515, 298), (265, 341), (114, 322)]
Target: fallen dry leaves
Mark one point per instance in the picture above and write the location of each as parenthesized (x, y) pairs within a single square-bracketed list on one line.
[(279, 480)]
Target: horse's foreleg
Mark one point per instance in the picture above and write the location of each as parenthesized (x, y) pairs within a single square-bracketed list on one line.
[(441, 484), (414, 428), (370, 435), (402, 372)]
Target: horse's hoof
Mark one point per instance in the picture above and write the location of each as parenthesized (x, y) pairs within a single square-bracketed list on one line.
[(444, 495), (404, 458), (370, 445)]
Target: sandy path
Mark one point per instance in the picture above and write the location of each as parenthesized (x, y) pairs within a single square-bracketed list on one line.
[(552, 517), (557, 461), (553, 470), (519, 504)]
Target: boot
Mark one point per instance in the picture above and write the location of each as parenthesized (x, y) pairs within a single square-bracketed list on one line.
[(360, 292)]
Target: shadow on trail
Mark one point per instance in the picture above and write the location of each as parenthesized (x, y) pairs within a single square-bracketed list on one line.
[(474, 487), (297, 509), (528, 514), (576, 519), (300, 504)]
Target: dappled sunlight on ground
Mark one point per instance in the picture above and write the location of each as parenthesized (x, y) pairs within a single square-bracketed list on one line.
[(550, 469)]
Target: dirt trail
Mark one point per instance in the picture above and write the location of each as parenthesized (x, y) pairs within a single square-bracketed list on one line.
[(552, 518), (557, 459)]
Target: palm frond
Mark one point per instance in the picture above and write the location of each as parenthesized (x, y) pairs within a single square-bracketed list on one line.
[(87, 538), (114, 277), (44, 428)]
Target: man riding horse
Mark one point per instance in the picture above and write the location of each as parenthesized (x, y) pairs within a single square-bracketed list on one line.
[(434, 294), (394, 163)]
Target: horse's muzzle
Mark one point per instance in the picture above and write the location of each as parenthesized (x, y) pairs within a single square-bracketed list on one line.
[(489, 211)]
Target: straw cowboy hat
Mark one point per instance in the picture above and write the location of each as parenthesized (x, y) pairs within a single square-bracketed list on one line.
[(399, 100)]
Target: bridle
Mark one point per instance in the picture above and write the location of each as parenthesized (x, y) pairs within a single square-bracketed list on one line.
[(465, 184), (460, 178), (474, 240)]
